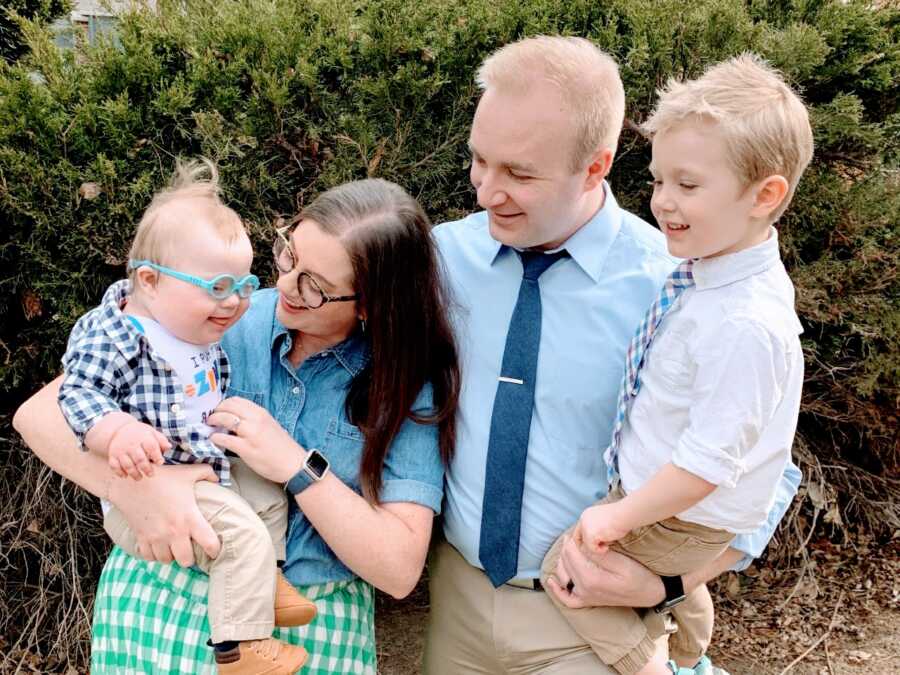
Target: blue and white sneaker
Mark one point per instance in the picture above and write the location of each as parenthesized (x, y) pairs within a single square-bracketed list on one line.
[(704, 667)]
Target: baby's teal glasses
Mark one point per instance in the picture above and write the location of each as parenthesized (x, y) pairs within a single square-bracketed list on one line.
[(220, 286)]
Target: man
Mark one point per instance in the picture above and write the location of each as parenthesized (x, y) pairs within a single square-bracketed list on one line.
[(542, 340)]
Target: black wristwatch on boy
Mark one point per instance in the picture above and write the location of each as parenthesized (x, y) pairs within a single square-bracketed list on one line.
[(315, 468), (674, 593)]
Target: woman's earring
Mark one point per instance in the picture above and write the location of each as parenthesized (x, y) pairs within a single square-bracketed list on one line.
[(362, 325)]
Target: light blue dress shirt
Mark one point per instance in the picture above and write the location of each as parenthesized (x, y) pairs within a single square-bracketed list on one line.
[(309, 402), (591, 303)]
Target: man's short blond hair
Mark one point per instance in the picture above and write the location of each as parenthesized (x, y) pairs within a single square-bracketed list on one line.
[(196, 181), (587, 78), (764, 123)]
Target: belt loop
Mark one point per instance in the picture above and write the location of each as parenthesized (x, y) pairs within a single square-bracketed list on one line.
[(526, 584)]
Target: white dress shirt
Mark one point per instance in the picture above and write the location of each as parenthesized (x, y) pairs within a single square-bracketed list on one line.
[(720, 389)]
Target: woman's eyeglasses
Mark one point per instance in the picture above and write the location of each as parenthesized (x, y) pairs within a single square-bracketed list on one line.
[(311, 294)]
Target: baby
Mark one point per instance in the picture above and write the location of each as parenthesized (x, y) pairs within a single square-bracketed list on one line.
[(142, 373), (709, 403)]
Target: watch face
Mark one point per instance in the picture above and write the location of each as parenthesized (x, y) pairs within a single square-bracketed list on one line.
[(316, 463)]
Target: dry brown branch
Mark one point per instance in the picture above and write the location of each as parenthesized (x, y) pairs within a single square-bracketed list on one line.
[(821, 639)]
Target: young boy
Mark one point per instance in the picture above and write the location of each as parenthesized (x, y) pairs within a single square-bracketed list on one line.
[(142, 373), (709, 402)]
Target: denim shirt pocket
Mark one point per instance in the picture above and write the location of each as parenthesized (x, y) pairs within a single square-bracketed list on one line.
[(257, 398), (343, 447)]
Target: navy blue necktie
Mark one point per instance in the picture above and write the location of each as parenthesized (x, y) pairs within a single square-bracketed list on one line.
[(504, 478)]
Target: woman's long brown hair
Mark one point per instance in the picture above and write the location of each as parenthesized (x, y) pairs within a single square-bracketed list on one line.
[(398, 278)]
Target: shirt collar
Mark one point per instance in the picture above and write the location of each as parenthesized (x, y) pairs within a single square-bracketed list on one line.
[(352, 353), (726, 269), (589, 246), (115, 324)]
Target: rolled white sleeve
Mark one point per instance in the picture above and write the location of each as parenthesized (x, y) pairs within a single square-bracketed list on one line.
[(734, 397)]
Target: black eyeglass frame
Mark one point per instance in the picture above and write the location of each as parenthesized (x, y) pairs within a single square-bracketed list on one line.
[(283, 240)]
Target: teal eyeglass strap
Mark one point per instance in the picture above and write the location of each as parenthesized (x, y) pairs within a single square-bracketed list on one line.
[(244, 286)]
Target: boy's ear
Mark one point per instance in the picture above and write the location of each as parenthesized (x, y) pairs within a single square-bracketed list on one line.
[(145, 279), (770, 193), (599, 167)]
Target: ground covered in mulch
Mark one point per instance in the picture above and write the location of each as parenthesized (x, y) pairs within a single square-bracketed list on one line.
[(836, 612)]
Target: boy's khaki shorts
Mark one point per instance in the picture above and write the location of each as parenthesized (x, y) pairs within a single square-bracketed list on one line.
[(250, 518), (618, 635)]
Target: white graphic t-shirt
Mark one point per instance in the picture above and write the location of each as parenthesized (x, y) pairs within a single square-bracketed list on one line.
[(196, 367)]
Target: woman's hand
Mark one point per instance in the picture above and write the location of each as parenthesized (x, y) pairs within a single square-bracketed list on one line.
[(163, 514), (257, 439), (161, 511), (612, 580)]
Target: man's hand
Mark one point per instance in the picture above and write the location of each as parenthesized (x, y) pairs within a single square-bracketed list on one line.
[(134, 448), (614, 580), (163, 514)]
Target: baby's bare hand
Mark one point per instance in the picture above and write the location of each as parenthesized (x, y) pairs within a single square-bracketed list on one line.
[(598, 527), (135, 448)]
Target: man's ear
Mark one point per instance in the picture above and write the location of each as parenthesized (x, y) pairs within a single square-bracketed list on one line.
[(598, 169), (770, 193)]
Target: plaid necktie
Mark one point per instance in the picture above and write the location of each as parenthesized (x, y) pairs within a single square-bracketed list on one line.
[(681, 278), (504, 480)]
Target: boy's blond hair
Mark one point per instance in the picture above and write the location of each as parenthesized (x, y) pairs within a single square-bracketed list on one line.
[(195, 181), (587, 78), (764, 123)]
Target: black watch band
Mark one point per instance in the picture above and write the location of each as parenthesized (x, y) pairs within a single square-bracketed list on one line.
[(674, 593)]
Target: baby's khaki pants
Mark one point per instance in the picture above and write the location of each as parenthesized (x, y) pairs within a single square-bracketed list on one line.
[(619, 635), (250, 518)]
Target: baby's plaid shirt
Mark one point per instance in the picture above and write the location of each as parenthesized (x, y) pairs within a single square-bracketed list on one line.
[(110, 366)]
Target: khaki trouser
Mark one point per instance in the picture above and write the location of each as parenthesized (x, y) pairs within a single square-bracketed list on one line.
[(476, 628), (250, 518), (619, 635)]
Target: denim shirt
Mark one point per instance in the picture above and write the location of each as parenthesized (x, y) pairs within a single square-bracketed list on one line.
[(309, 403)]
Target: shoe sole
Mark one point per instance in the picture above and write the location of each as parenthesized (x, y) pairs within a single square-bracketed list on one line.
[(286, 617)]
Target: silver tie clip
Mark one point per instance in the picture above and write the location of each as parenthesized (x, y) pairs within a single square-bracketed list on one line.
[(511, 380)]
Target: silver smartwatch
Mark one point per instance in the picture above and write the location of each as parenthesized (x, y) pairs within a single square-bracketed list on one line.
[(314, 469)]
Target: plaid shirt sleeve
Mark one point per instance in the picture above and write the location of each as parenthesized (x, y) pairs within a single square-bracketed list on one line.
[(91, 385)]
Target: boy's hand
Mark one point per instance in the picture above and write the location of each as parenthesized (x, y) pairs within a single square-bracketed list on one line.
[(598, 527), (134, 448)]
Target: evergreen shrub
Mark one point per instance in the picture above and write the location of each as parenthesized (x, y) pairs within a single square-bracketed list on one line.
[(290, 98), (12, 45)]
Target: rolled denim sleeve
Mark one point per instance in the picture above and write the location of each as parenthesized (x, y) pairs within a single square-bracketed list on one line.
[(413, 471), (752, 545)]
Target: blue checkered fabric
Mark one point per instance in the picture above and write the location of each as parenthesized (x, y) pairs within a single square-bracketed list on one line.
[(110, 366), (680, 279)]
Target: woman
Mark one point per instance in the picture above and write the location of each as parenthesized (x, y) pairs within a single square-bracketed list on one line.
[(346, 383)]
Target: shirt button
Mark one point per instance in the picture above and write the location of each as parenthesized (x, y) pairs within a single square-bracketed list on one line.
[(175, 408), (295, 390)]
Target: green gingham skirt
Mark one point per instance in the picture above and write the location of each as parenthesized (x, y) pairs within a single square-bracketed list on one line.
[(151, 618)]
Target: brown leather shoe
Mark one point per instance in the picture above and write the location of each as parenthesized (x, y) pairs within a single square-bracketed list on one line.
[(291, 608), (261, 657)]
